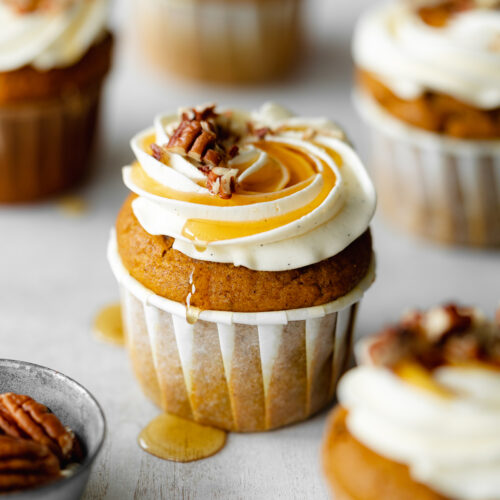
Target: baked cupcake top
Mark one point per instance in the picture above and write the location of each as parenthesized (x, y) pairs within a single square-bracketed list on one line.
[(264, 189), (49, 34), (428, 395), (447, 46)]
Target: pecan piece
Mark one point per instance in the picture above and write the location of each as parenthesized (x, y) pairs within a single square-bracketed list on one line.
[(35, 421), (25, 464), (201, 144), (183, 137), (205, 138)]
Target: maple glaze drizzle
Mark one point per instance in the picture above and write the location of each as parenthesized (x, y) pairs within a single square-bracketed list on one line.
[(301, 170), (108, 325), (173, 438), (192, 312)]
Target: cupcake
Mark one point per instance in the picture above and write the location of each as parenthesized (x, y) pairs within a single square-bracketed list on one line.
[(241, 256), (54, 55), (428, 84), (418, 419), (221, 40)]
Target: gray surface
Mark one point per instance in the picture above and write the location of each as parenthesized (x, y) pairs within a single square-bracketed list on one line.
[(76, 409), (54, 277)]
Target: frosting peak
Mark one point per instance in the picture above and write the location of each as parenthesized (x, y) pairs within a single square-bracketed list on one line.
[(265, 190)]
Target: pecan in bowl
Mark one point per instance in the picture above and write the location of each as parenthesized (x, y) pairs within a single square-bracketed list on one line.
[(49, 439)]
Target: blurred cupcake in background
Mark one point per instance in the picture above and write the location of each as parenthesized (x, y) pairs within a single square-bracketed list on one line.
[(54, 55), (428, 83), (418, 419), (238, 41)]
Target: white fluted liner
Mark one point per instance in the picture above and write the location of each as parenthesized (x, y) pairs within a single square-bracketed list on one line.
[(237, 371), (220, 40), (443, 188)]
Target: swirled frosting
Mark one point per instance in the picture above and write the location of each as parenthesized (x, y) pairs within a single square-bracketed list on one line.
[(461, 59), (47, 39), (444, 423), (302, 194)]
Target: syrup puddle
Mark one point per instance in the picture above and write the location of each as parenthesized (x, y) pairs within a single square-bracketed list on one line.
[(108, 325), (180, 440), (73, 206)]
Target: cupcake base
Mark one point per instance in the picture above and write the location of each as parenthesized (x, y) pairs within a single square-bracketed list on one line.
[(45, 145), (236, 371), (220, 40), (444, 189)]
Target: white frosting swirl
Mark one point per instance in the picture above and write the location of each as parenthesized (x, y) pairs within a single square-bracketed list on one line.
[(292, 225), (461, 59), (451, 444), (47, 39)]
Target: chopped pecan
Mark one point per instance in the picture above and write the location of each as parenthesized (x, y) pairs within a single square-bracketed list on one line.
[(23, 416), (261, 133), (184, 137), (443, 335), (462, 349), (202, 137), (158, 152), (25, 464)]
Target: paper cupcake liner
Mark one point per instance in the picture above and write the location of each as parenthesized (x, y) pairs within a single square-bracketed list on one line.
[(442, 188), (45, 145), (237, 371), (221, 40)]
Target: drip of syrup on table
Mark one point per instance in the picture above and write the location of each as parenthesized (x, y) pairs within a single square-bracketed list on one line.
[(108, 325), (180, 440), (192, 312), (73, 206)]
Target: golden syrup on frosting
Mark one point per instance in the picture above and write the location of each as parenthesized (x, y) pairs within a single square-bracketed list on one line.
[(108, 325), (146, 183), (418, 376), (300, 170), (179, 440), (203, 230)]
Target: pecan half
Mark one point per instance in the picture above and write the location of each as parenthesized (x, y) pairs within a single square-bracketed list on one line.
[(22, 416), (25, 464)]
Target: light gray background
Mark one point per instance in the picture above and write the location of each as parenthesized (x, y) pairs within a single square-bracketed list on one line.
[(54, 278)]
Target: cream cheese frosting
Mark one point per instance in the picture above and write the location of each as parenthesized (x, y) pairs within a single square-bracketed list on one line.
[(450, 444), (50, 39), (303, 194), (427, 395), (461, 59)]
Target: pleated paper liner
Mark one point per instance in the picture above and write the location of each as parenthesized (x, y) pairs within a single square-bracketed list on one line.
[(45, 145), (442, 188), (236, 371), (221, 40)]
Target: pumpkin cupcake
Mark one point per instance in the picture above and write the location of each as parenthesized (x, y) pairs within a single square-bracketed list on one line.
[(428, 84), (221, 40), (418, 419), (241, 257), (54, 55)]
